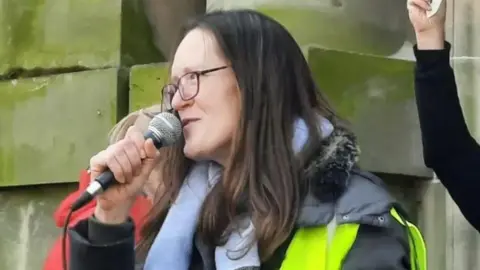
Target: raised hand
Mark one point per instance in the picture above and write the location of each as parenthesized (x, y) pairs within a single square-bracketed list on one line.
[(430, 31)]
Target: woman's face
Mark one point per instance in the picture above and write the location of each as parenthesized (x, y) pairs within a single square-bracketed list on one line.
[(212, 116)]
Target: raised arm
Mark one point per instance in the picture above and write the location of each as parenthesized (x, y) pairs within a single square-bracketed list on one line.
[(448, 147)]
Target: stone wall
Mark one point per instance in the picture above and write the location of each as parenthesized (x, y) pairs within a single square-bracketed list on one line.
[(69, 69), (66, 68)]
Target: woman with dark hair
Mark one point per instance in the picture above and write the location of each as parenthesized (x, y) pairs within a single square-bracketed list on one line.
[(265, 176), (448, 147)]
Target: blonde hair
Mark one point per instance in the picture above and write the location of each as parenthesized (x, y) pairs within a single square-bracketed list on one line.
[(140, 118)]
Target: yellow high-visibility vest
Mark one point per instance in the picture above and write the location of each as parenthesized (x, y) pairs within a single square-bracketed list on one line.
[(317, 249)]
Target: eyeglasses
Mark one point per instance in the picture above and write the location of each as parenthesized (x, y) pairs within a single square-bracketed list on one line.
[(187, 85)]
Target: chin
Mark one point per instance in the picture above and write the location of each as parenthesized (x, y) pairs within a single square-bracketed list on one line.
[(188, 153), (192, 152)]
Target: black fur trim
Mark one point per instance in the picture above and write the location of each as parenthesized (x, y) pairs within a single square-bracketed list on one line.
[(329, 168)]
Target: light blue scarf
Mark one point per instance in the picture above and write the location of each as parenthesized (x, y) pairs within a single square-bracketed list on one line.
[(172, 247)]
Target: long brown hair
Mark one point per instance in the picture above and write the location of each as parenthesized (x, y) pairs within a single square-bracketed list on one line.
[(263, 176)]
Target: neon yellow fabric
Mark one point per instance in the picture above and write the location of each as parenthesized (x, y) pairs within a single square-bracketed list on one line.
[(418, 249), (308, 249)]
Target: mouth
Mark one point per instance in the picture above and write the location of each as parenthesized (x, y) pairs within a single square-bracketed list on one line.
[(187, 121)]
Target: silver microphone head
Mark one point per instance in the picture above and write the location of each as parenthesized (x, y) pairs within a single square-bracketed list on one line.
[(166, 127)]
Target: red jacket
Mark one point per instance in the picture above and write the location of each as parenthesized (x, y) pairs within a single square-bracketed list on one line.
[(54, 258)]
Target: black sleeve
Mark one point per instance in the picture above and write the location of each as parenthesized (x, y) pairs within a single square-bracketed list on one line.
[(97, 246), (379, 248), (448, 147)]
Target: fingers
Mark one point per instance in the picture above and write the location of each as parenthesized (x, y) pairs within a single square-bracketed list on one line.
[(147, 148), (152, 157), (122, 158), (97, 164), (118, 162), (423, 5), (126, 159), (129, 159), (137, 137), (126, 167), (150, 149), (133, 153)]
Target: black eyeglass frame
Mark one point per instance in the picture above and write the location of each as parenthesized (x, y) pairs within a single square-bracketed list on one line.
[(177, 87)]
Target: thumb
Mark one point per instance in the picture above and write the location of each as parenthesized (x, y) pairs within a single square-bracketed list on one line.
[(151, 159), (150, 150), (148, 165)]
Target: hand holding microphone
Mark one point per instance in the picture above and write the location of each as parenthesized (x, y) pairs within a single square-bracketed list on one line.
[(131, 160), (119, 172)]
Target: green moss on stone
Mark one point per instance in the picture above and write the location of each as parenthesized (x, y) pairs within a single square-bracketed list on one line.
[(333, 29), (69, 33), (146, 83), (60, 33), (51, 126), (351, 80)]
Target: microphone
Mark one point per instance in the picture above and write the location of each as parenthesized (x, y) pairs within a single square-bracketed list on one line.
[(164, 129)]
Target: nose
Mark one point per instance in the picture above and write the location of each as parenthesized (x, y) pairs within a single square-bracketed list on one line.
[(178, 103)]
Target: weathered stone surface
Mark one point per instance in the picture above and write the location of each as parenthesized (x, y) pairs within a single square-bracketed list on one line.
[(69, 33), (167, 18), (463, 239), (369, 26), (28, 229), (51, 126), (466, 28), (57, 33), (376, 95), (138, 43), (146, 84)]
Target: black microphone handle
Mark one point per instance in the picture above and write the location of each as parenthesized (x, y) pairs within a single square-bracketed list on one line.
[(106, 179)]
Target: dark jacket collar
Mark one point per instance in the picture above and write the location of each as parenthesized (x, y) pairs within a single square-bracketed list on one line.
[(339, 189)]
